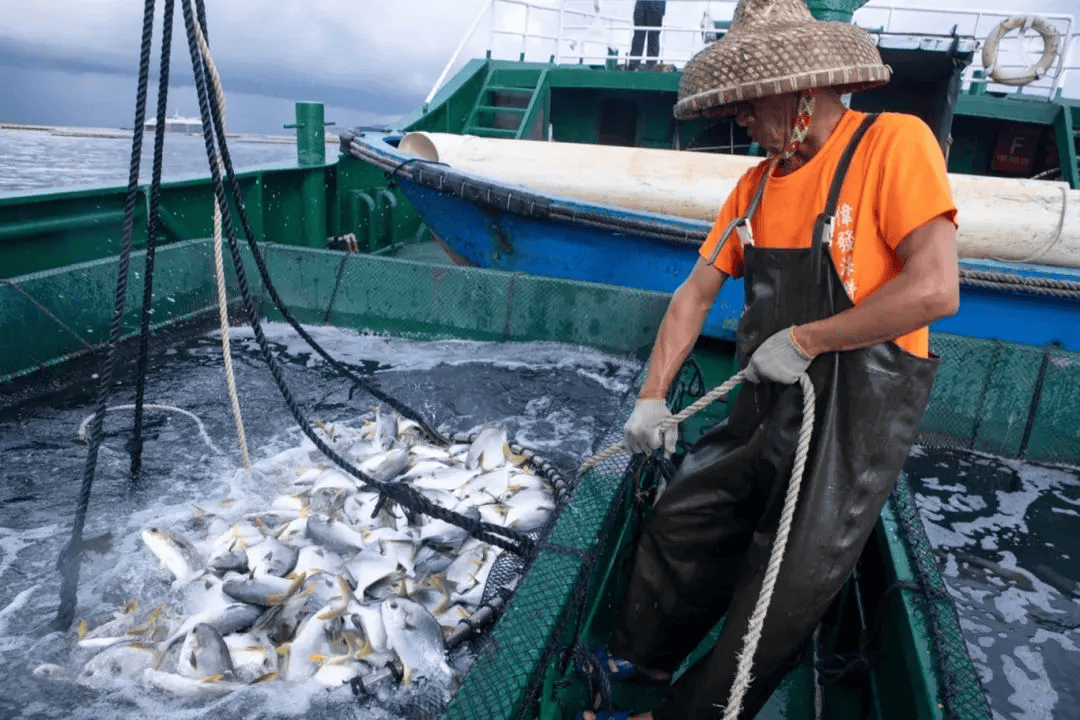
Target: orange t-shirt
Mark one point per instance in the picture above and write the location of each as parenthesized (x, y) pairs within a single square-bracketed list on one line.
[(896, 182)]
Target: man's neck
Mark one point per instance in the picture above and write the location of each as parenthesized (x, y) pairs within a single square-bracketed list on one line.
[(826, 117)]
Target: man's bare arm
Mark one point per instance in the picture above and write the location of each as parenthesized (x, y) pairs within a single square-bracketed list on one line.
[(927, 289), (681, 326)]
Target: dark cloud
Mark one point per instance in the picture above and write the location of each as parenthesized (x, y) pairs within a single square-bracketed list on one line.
[(41, 88), (105, 99)]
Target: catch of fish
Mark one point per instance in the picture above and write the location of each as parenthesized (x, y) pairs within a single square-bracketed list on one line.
[(327, 585)]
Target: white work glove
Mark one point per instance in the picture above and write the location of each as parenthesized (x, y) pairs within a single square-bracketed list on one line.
[(779, 359), (643, 433)]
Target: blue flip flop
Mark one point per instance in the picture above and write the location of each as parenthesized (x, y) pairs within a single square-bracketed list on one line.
[(616, 668)]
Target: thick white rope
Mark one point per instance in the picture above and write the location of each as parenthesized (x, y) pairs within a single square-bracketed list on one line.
[(776, 556), (219, 266), (706, 399), (81, 430)]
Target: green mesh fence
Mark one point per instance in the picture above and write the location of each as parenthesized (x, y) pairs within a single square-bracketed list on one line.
[(1005, 399), (955, 693), (421, 300)]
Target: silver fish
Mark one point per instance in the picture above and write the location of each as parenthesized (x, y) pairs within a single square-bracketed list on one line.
[(205, 655), (116, 664), (386, 428), (416, 636), (225, 619), (488, 451), (529, 509), (232, 558), (271, 557), (174, 551), (334, 535), (368, 617), (265, 590), (315, 558), (253, 655), (310, 646), (337, 671), (386, 466), (187, 687)]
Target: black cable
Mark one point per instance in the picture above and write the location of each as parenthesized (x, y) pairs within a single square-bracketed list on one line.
[(506, 538), (136, 445), (271, 290), (71, 556), (1036, 396)]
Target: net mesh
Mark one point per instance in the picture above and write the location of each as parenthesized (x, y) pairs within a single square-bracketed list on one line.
[(1004, 399), (545, 610), (961, 695)]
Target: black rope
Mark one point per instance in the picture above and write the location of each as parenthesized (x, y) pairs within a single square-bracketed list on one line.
[(71, 556), (260, 263), (404, 495), (136, 444), (988, 380), (1036, 396)]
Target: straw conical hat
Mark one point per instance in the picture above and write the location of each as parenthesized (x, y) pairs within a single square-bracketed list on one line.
[(774, 47)]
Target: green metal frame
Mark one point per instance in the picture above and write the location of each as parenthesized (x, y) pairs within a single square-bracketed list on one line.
[(1061, 114)]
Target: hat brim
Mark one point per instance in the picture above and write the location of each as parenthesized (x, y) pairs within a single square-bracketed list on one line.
[(763, 61)]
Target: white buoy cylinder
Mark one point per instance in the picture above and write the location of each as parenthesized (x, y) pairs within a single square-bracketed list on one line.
[(1000, 218)]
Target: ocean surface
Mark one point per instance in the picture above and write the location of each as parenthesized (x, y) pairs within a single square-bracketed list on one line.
[(1004, 530), (35, 160)]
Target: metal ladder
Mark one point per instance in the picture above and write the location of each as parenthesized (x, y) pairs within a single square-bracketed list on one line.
[(507, 103)]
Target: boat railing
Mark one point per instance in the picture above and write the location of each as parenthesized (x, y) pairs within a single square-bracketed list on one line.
[(1017, 50), (600, 32), (588, 32)]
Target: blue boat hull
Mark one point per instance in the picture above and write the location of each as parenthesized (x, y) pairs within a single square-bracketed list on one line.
[(553, 248)]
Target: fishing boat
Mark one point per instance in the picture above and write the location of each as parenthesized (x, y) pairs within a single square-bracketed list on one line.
[(176, 123), (350, 243), (563, 198)]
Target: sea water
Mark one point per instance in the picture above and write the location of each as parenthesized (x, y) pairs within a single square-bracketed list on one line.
[(554, 399), (1005, 533), (37, 160)]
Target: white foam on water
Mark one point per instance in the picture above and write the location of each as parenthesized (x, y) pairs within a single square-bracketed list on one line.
[(18, 603), (1020, 630), (13, 541), (349, 346), (1033, 695)]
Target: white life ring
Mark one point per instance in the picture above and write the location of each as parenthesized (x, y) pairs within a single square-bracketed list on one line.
[(1029, 74)]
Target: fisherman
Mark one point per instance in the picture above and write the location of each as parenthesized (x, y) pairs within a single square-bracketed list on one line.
[(647, 14), (846, 261)]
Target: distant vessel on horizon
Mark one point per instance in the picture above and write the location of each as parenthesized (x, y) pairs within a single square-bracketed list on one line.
[(177, 123)]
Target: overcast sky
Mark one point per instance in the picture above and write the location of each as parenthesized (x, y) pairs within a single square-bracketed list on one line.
[(74, 62)]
